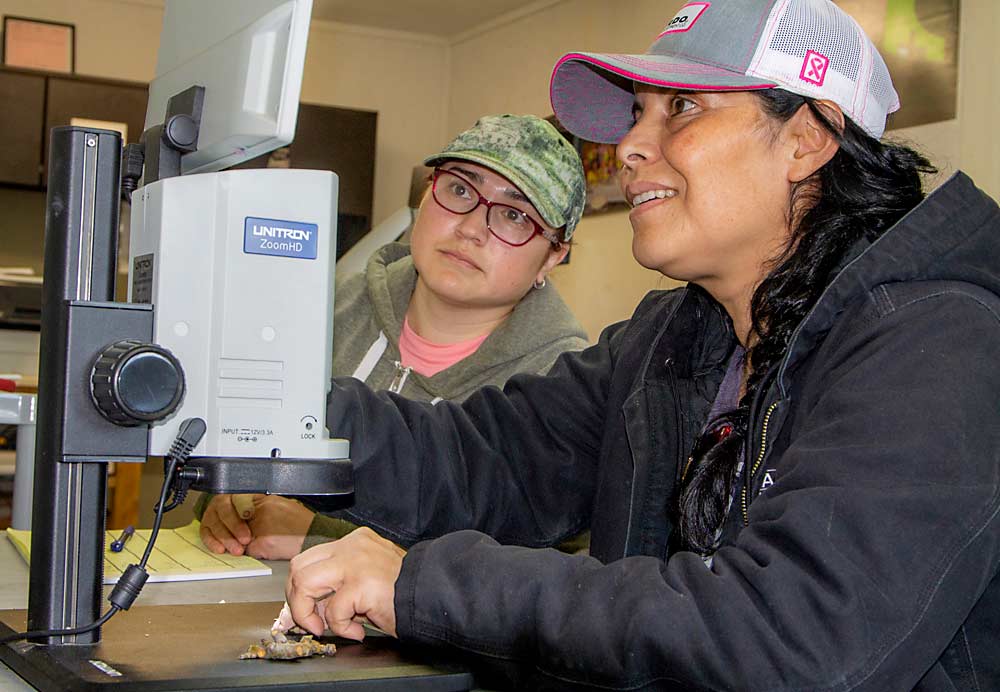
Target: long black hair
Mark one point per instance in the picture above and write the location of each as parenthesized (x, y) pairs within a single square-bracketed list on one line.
[(864, 189)]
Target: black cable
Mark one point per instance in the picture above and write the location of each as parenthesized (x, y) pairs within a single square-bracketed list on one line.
[(128, 585), (35, 634), (134, 578)]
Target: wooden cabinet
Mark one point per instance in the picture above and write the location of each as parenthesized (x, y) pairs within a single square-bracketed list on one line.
[(94, 99), (35, 102), (341, 140), (21, 127)]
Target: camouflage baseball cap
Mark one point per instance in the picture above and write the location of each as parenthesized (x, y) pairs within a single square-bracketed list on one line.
[(530, 153)]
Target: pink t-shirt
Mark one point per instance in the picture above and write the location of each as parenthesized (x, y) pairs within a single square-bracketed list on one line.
[(429, 358)]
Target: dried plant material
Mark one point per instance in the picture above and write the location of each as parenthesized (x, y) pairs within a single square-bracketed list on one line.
[(280, 648)]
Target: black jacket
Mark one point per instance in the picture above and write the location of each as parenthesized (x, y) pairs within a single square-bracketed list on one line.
[(864, 555)]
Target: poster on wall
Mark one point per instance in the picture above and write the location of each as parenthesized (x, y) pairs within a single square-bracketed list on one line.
[(39, 44), (918, 40)]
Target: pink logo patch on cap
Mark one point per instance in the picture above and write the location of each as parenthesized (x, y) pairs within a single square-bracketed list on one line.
[(814, 68), (685, 18)]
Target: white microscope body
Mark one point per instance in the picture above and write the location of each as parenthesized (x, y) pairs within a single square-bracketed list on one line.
[(239, 267)]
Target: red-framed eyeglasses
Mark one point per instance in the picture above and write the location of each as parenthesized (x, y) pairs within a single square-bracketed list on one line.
[(507, 224)]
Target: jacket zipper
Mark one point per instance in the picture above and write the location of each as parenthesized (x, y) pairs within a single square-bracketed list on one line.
[(757, 462), (399, 379)]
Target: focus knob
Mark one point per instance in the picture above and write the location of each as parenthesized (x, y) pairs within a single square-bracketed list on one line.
[(134, 383)]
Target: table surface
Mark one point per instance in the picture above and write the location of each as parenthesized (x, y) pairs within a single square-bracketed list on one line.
[(14, 594), (253, 591)]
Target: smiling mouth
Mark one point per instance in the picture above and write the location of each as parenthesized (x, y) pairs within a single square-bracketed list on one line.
[(649, 196)]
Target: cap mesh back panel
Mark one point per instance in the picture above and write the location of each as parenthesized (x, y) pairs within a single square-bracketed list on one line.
[(881, 87), (802, 29)]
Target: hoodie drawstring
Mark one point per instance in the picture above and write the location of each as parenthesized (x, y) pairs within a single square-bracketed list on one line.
[(368, 363)]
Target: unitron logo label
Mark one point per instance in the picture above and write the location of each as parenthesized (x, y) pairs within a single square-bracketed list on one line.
[(281, 238)]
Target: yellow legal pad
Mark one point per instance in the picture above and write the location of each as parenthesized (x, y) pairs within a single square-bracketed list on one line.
[(178, 555)]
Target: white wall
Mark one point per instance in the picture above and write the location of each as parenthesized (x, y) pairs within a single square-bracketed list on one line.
[(978, 93)]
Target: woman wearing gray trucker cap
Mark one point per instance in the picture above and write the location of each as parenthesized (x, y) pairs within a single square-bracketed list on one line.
[(791, 466)]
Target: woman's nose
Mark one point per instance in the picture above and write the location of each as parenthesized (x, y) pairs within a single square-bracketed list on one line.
[(473, 224), (637, 145)]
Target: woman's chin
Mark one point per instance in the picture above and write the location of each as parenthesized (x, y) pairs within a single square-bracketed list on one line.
[(659, 262), (648, 255)]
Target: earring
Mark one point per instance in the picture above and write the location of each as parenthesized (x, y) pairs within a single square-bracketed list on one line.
[(540, 284)]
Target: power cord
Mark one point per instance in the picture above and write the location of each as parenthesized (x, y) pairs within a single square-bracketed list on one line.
[(131, 582)]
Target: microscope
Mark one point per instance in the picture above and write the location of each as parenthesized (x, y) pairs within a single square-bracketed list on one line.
[(219, 362)]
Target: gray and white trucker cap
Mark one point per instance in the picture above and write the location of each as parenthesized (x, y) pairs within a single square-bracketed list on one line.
[(808, 47)]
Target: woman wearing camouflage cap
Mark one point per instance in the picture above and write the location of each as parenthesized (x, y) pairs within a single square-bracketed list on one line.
[(790, 467), (465, 304)]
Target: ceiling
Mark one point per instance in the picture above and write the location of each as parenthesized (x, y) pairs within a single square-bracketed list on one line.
[(436, 17)]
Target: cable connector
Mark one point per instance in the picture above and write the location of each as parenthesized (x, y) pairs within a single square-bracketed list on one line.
[(188, 437), (133, 158), (128, 587)]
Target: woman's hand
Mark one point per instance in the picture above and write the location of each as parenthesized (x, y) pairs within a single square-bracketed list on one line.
[(222, 529), (269, 527), (334, 584), (279, 527)]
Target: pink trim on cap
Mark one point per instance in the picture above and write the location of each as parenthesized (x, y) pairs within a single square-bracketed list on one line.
[(655, 82)]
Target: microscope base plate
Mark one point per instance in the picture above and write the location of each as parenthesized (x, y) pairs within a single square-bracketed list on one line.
[(189, 647)]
